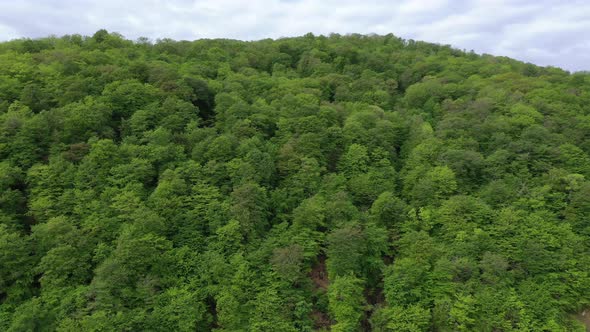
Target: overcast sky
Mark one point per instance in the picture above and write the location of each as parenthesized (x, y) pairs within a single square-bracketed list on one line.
[(544, 32)]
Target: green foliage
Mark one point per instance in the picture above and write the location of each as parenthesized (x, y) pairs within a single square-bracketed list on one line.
[(346, 303), (311, 183), (398, 318)]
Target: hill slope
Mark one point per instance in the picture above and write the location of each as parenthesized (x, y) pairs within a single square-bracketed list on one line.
[(352, 182)]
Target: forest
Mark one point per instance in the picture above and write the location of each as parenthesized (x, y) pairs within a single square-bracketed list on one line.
[(316, 183)]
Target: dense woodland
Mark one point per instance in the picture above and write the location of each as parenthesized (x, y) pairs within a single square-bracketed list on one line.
[(344, 183)]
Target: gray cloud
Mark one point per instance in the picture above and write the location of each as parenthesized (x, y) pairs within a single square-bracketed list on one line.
[(544, 32)]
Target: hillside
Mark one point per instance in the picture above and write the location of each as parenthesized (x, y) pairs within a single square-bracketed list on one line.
[(338, 183)]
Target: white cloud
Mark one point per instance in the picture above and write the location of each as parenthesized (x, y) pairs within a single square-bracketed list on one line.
[(7, 32), (546, 32)]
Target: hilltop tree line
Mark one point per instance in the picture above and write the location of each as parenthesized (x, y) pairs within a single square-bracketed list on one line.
[(343, 183)]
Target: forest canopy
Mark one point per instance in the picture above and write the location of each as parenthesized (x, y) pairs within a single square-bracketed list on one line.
[(343, 183)]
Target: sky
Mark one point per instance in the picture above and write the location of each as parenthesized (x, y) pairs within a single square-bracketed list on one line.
[(544, 32)]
